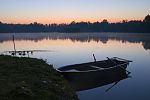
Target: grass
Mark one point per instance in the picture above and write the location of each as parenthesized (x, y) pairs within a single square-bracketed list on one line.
[(31, 79)]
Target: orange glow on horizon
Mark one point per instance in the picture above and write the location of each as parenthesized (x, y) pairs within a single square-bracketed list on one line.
[(65, 20)]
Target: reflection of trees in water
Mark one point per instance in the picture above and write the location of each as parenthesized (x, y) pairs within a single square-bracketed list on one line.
[(146, 45), (143, 38)]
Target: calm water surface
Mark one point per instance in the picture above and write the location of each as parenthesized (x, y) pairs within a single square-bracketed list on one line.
[(71, 48)]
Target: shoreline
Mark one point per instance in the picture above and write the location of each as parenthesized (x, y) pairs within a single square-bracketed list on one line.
[(32, 79)]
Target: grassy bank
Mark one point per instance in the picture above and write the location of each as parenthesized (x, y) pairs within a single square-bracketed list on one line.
[(31, 79)]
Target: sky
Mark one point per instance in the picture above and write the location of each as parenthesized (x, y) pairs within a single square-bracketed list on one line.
[(66, 11)]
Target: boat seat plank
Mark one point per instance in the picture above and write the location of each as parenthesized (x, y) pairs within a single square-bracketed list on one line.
[(97, 67), (73, 70)]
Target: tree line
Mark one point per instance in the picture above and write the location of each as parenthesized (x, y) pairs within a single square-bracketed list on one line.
[(135, 26)]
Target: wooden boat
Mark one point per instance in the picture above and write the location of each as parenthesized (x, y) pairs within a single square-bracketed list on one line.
[(91, 70)]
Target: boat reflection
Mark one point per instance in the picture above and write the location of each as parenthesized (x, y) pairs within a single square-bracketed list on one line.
[(84, 84)]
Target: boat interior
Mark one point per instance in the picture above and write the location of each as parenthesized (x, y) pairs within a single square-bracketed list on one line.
[(99, 65)]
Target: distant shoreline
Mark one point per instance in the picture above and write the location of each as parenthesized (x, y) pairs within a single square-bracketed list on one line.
[(133, 26)]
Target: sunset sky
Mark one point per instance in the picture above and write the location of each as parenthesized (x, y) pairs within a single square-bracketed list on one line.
[(65, 11)]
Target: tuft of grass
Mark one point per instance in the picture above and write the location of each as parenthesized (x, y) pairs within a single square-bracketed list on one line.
[(31, 79)]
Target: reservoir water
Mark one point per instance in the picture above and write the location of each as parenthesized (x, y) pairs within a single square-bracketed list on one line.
[(73, 48)]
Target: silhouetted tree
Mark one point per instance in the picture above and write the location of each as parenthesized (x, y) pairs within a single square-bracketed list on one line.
[(73, 22), (105, 21), (147, 19), (124, 21), (35, 23)]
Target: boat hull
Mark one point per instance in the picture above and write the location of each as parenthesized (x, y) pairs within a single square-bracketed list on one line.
[(92, 75)]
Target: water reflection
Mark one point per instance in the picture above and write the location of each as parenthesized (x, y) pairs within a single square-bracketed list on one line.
[(143, 38), (81, 84)]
